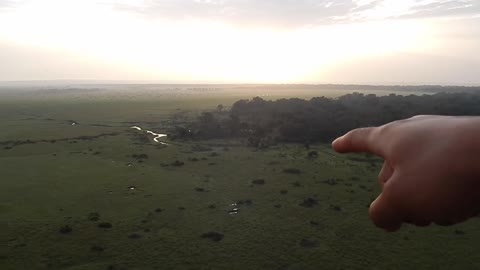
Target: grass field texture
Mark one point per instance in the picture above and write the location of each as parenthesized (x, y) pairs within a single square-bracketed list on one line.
[(82, 190)]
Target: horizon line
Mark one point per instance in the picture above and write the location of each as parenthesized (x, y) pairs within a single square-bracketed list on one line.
[(178, 82)]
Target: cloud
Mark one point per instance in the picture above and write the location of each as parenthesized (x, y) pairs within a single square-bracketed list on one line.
[(280, 13), (276, 13), (297, 13), (446, 8), (391, 9), (4, 4)]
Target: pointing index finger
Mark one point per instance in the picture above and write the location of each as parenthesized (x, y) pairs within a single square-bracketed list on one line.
[(358, 140)]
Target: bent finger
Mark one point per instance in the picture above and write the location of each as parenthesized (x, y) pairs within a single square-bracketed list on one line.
[(384, 215), (385, 173)]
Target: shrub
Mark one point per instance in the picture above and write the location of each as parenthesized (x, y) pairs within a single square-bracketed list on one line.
[(312, 154), (292, 171), (178, 163), (93, 216), (105, 225), (307, 243), (309, 203), (134, 236), (258, 182), (214, 236), (65, 229), (97, 248)]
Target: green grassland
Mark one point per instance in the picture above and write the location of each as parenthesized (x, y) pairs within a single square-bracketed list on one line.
[(54, 174)]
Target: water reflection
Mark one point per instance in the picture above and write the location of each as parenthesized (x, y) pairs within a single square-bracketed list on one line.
[(234, 209), (157, 136)]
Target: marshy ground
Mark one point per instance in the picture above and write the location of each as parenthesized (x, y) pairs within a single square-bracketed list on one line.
[(81, 189)]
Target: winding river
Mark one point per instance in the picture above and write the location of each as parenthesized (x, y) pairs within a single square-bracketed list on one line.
[(156, 137)]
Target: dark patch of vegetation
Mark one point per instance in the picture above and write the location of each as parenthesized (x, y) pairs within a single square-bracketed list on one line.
[(307, 243), (105, 225), (199, 189), (93, 216), (309, 203), (193, 159), (296, 184), (283, 191), (178, 163), (336, 208), (12, 143), (277, 205), (459, 232), (214, 236), (134, 236), (292, 171), (97, 248), (312, 154), (212, 206), (331, 182), (258, 182), (158, 210), (66, 229), (140, 156)]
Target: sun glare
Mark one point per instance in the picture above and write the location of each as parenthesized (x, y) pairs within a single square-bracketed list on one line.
[(201, 50)]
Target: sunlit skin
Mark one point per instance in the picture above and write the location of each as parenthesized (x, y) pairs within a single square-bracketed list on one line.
[(431, 172)]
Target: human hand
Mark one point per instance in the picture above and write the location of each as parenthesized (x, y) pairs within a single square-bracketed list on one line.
[(431, 171)]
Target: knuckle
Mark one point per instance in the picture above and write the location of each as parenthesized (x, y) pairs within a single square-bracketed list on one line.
[(385, 131)]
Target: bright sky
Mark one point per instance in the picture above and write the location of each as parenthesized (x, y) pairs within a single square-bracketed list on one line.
[(267, 41)]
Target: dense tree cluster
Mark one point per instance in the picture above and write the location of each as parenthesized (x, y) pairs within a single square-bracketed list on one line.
[(263, 122)]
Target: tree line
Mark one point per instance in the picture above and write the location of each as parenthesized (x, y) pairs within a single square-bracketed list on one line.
[(320, 119)]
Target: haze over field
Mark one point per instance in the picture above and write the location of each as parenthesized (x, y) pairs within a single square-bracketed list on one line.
[(197, 134), (191, 41)]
